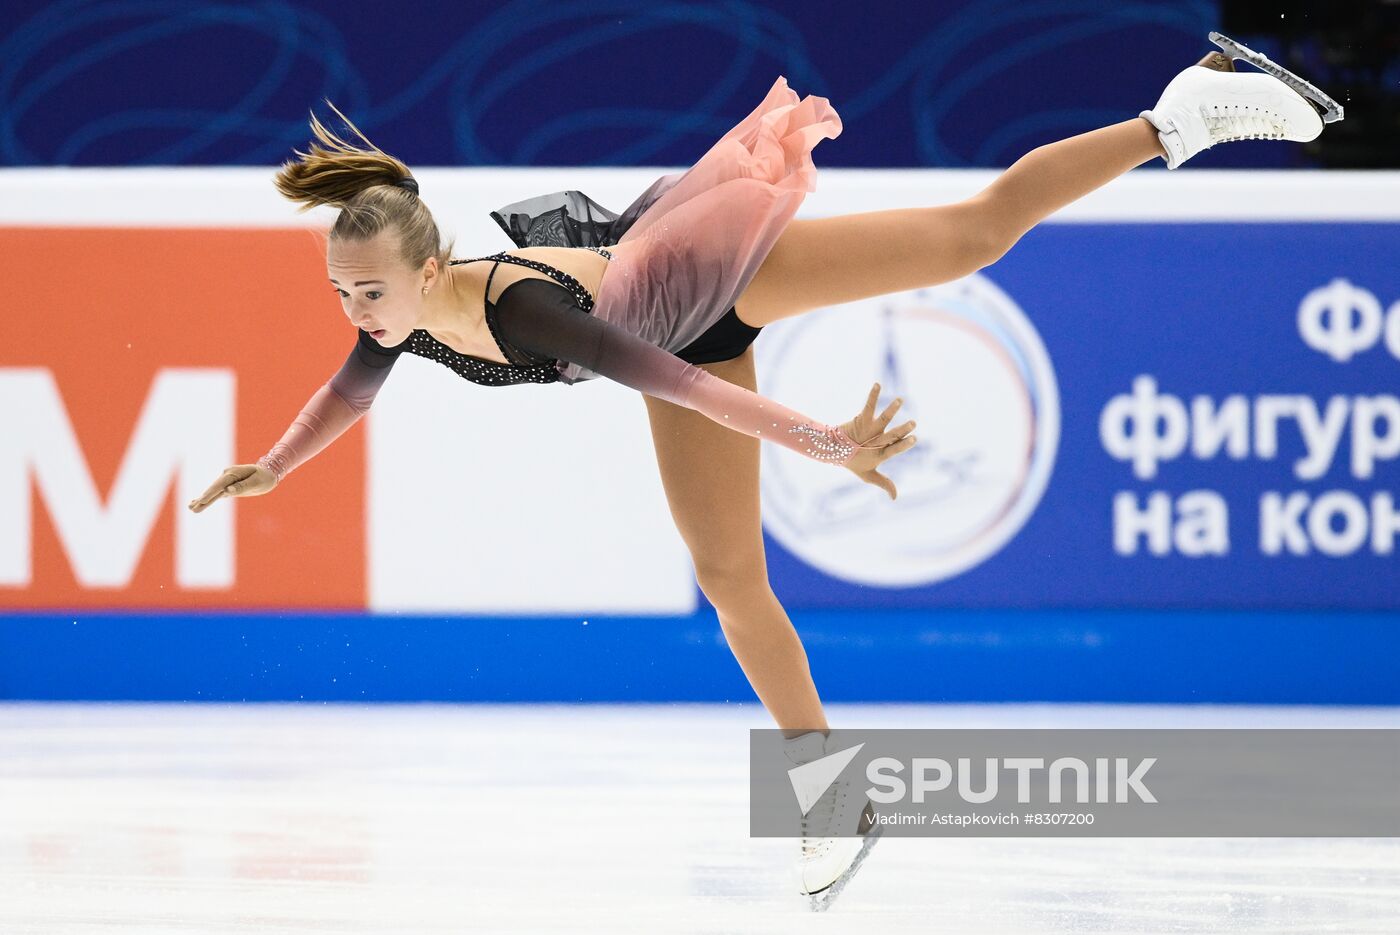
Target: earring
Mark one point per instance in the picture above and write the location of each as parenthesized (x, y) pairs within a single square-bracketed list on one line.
[(425, 290)]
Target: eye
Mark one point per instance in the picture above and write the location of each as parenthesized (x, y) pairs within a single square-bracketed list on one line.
[(374, 295)]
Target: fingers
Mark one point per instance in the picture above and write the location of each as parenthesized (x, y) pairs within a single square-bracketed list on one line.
[(883, 419), (199, 504), (202, 502), (889, 451), (870, 400), (883, 482), (886, 439), (867, 413), (224, 480), (216, 490), (888, 414)]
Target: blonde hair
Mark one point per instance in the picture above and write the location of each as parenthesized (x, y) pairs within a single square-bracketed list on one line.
[(361, 182)]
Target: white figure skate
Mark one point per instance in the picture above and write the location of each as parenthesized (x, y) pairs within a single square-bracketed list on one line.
[(827, 862), (1210, 102)]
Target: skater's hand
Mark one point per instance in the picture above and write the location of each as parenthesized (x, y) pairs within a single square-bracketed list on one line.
[(240, 480), (878, 445)]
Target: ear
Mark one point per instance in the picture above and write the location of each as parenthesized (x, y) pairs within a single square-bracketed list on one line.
[(431, 271)]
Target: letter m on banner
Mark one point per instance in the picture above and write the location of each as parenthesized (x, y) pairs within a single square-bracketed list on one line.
[(184, 436)]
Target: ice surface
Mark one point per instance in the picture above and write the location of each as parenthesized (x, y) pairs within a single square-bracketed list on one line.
[(606, 818)]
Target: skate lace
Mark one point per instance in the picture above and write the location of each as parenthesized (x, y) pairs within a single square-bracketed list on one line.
[(818, 820), (1227, 122)]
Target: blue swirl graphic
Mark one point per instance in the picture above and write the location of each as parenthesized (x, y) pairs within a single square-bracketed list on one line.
[(159, 82)]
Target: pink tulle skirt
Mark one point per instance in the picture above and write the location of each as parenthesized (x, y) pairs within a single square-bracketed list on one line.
[(690, 244)]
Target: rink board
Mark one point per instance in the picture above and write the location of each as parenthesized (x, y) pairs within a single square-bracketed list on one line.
[(1206, 657), (1170, 410)]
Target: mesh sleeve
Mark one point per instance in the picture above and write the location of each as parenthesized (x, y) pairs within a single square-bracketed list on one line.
[(543, 318), (333, 408)]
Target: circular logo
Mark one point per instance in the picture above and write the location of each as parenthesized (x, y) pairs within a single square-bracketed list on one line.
[(973, 373)]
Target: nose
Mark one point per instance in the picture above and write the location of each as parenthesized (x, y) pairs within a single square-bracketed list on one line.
[(354, 308)]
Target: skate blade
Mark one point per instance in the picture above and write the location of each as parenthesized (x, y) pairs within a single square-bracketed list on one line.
[(822, 899), (1330, 110)]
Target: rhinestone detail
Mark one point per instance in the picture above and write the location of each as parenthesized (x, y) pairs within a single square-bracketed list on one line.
[(826, 444), (486, 372)]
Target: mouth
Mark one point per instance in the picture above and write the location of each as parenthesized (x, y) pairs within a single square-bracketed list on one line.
[(376, 334)]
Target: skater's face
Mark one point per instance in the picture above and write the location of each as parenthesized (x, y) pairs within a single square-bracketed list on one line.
[(379, 292)]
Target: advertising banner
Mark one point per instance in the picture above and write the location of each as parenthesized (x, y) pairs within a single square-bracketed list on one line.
[(1119, 414), (1123, 412)]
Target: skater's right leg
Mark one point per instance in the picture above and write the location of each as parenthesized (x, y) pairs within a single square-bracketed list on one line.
[(819, 262), (710, 475)]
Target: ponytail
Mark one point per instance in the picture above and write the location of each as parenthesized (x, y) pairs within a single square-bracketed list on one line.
[(363, 182)]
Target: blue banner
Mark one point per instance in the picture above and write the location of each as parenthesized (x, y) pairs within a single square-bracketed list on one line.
[(1198, 415)]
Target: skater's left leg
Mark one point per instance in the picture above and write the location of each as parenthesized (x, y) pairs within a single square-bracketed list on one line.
[(710, 475), (827, 261)]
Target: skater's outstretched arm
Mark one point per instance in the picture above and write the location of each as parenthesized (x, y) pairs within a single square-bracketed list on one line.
[(332, 409), (542, 318)]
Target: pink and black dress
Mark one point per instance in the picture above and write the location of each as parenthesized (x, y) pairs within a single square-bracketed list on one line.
[(662, 308)]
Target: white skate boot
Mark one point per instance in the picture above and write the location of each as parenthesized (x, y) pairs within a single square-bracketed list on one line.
[(1211, 103), (827, 862)]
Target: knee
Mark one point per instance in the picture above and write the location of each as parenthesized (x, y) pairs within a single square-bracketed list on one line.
[(989, 234), (994, 245), (731, 582)]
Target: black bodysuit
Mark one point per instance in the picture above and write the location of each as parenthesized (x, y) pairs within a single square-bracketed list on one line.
[(536, 324)]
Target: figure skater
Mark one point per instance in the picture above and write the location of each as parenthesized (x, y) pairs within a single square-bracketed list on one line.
[(667, 298)]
